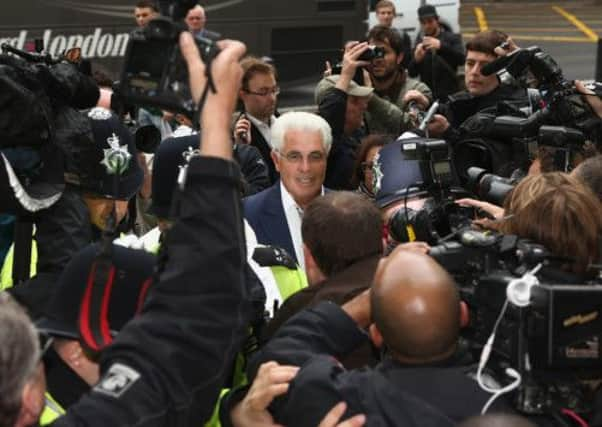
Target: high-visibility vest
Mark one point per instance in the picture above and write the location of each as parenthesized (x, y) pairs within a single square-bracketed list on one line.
[(6, 274), (52, 410)]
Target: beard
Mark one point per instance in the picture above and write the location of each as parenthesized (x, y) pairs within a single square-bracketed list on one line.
[(386, 75)]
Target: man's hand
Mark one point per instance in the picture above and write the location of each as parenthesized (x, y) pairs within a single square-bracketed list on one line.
[(360, 309), (331, 419), (431, 43), (242, 131), (419, 97), (506, 48), (438, 125), (218, 108), (590, 97), (419, 53), (350, 63), (495, 211), (272, 380)]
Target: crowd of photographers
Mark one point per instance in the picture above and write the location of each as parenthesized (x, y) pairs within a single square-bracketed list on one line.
[(411, 253)]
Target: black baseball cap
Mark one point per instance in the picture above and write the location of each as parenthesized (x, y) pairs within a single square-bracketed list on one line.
[(71, 311), (427, 11)]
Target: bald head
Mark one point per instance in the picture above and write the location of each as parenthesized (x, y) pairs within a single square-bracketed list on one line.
[(416, 307), (497, 420)]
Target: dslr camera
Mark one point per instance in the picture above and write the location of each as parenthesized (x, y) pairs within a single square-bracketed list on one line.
[(154, 73), (370, 54)]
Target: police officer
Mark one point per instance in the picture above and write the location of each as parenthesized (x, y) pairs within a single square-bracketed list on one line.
[(72, 324), (276, 269), (156, 372), (102, 175)]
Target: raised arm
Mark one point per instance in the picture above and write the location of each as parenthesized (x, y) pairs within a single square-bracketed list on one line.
[(167, 366)]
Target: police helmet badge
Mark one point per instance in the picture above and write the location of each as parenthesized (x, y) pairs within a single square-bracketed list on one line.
[(116, 157), (377, 174)]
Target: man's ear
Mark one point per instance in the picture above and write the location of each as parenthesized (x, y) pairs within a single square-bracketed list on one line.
[(309, 258), (32, 399), (464, 315), (375, 336), (275, 159), (399, 58)]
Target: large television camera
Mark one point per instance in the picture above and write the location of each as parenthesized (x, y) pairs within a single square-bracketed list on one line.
[(548, 329), (423, 169), (558, 120), (154, 72)]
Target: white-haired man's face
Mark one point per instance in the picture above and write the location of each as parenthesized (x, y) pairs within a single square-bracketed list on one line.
[(302, 164)]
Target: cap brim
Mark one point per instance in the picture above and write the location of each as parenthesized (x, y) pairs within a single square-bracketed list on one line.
[(56, 328), (32, 197), (360, 91), (388, 199)]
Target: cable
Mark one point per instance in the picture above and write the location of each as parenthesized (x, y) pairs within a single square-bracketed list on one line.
[(573, 415)]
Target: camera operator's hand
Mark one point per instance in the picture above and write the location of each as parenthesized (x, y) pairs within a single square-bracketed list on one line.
[(414, 95), (431, 43), (350, 63), (495, 211), (506, 48), (242, 131), (590, 97), (217, 111), (272, 380), (332, 418), (438, 125)]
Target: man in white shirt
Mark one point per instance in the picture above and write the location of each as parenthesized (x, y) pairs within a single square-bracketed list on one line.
[(259, 95), (300, 146)]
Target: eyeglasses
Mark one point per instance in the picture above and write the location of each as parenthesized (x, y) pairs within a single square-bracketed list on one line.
[(264, 92), (367, 166), (297, 157)]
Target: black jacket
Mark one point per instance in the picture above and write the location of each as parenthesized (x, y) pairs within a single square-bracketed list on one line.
[(341, 159), (438, 70), (389, 395), (253, 167), (259, 142), (167, 366), (475, 141)]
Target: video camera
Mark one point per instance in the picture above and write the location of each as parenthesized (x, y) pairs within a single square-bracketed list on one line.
[(549, 332), (154, 72), (429, 173), (559, 121)]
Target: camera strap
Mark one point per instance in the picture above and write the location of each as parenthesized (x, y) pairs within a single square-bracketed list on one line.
[(210, 86)]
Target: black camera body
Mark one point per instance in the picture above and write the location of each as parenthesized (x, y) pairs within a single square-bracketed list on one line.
[(553, 341), (438, 182), (154, 72), (372, 53)]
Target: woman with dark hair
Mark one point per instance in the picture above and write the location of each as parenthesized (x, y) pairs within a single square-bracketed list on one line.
[(362, 171)]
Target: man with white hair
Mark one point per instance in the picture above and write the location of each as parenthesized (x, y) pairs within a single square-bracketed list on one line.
[(300, 146)]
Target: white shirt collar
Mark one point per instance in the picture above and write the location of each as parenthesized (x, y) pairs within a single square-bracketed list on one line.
[(264, 128)]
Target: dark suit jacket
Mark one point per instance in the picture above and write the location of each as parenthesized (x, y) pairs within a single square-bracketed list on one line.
[(265, 214), (259, 142)]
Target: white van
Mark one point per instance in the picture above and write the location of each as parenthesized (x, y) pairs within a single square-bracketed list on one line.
[(407, 14)]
